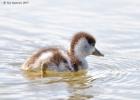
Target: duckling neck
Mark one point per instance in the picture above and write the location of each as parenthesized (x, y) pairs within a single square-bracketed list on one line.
[(77, 62)]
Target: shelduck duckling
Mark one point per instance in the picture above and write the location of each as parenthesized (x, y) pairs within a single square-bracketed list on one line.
[(55, 59)]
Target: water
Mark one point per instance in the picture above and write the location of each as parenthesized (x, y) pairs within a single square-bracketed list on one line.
[(26, 27)]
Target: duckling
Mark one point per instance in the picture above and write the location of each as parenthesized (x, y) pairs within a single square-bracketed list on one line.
[(56, 59)]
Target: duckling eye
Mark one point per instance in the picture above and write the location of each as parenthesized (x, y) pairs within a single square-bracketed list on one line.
[(91, 42)]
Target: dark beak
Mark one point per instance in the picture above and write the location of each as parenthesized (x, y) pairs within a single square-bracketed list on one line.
[(97, 53)]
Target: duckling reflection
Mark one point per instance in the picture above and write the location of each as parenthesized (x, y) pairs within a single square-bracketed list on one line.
[(76, 82)]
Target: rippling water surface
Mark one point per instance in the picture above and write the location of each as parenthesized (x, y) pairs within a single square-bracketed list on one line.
[(40, 23)]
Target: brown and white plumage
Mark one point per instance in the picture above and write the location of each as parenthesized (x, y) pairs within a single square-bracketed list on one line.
[(82, 45)]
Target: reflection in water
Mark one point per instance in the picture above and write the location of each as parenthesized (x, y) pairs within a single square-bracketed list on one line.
[(76, 82)]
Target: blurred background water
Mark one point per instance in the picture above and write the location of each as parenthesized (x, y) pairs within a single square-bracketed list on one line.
[(26, 27)]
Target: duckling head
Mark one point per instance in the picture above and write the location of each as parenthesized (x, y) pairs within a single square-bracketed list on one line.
[(83, 45)]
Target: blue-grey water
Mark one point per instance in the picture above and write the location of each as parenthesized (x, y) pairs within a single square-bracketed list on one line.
[(39, 23)]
